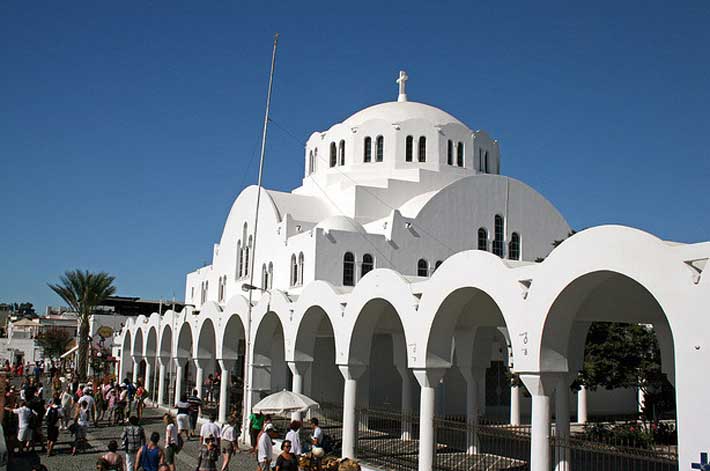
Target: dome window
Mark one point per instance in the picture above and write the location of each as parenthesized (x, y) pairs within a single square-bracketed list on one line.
[(341, 153), (422, 267), (498, 235), (294, 271), (299, 278), (311, 163), (270, 275), (368, 263), (409, 149), (514, 246), (437, 265), (367, 150), (333, 154), (422, 149), (450, 152), (459, 154), (348, 269), (482, 239), (379, 148)]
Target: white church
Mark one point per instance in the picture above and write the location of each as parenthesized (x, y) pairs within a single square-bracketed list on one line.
[(404, 274)]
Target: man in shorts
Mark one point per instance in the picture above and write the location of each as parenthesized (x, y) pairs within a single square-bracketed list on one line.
[(195, 406)]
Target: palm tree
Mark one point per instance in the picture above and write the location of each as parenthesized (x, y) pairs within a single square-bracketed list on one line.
[(83, 291)]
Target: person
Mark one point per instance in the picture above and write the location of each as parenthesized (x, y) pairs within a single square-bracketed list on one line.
[(129, 396), (317, 436), (150, 455), (81, 421), (210, 429), (286, 461), (100, 405), (88, 399), (67, 401), (265, 448), (112, 460), (209, 454), (183, 416), (53, 417), (132, 439), (171, 443), (228, 436), (123, 406), (140, 399), (293, 436), (195, 406), (24, 428), (256, 423)]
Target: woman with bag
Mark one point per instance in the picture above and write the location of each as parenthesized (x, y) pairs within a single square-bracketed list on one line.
[(150, 456), (81, 425)]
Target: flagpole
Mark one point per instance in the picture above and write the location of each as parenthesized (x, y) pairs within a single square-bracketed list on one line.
[(246, 397)]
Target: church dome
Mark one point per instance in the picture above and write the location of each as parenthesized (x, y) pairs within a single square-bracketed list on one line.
[(399, 111), (340, 223)]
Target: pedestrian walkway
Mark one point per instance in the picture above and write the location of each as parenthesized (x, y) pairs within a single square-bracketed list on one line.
[(98, 441)]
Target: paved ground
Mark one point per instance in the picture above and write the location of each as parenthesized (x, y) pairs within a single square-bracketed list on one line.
[(98, 440)]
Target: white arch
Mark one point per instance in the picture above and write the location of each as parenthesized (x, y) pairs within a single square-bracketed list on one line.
[(317, 295)]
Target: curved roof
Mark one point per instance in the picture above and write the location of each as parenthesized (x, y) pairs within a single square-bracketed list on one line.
[(341, 223), (300, 207), (398, 111)]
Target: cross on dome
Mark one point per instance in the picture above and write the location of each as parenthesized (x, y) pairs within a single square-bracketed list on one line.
[(402, 81)]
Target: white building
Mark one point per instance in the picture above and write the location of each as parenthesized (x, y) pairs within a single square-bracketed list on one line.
[(403, 269)]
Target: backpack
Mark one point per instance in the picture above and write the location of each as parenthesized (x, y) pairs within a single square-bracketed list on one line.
[(52, 417)]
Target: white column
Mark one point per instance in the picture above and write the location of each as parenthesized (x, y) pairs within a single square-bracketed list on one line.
[(148, 372), (562, 454), (136, 367), (472, 377), (226, 365), (541, 387), (428, 379), (514, 405), (199, 377), (299, 370), (350, 373), (179, 364), (406, 402), (582, 405), (161, 382)]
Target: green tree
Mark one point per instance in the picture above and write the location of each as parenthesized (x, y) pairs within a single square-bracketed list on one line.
[(83, 291), (54, 342)]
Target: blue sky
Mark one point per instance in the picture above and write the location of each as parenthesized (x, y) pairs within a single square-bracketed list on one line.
[(127, 128)]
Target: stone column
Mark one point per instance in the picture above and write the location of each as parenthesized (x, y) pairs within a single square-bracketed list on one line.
[(582, 405), (350, 373), (161, 382), (562, 454), (541, 387), (428, 379), (299, 370), (406, 402), (515, 405), (226, 365)]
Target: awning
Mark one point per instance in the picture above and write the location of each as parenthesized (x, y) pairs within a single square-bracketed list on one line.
[(70, 351)]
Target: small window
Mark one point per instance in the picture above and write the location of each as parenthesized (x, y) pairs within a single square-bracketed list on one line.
[(294, 271), (300, 269), (192, 293), (498, 236), (264, 277), (379, 148), (349, 269), (422, 149), (271, 275), (514, 246), (482, 239), (485, 162), (409, 149), (341, 153), (310, 162), (459, 154), (240, 260), (437, 265), (450, 152), (333, 154), (368, 264), (422, 267), (367, 150), (247, 251)]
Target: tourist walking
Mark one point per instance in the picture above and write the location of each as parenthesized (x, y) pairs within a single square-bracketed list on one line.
[(53, 417), (256, 423), (265, 448), (88, 399), (195, 407), (150, 456), (112, 461), (140, 399), (81, 426), (293, 436), (171, 441), (67, 401), (228, 436), (132, 439), (25, 416), (183, 416), (209, 454), (210, 429), (286, 461)]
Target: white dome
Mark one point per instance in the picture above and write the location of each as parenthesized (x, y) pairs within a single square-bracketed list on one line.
[(340, 223), (399, 111)]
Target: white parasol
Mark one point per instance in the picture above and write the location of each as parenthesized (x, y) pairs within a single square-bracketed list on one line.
[(285, 402)]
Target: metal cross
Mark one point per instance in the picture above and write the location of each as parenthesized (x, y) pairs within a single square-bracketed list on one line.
[(703, 465), (402, 81)]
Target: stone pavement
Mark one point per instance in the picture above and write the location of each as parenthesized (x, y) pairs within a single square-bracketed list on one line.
[(98, 441)]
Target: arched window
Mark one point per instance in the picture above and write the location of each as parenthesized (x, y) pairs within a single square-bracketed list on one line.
[(333, 154), (348, 269), (310, 162), (422, 149), (367, 150), (271, 276), (408, 148), (224, 287), (450, 152), (239, 262), (264, 277), (247, 252), (368, 263), (437, 264), (207, 287), (294, 271), (300, 269), (459, 154), (422, 267), (482, 239), (379, 148), (341, 153), (498, 236), (485, 162), (514, 246)]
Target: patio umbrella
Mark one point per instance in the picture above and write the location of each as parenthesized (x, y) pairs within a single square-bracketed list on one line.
[(285, 402)]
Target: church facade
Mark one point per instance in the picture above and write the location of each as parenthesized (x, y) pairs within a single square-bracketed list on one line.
[(406, 272)]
